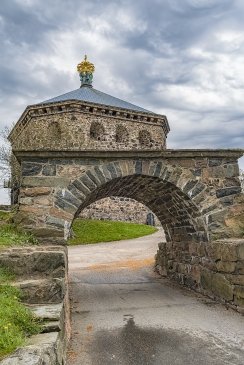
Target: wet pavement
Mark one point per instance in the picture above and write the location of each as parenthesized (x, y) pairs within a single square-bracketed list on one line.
[(124, 313)]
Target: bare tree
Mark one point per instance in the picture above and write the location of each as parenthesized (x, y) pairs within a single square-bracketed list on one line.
[(242, 179), (9, 167), (5, 156)]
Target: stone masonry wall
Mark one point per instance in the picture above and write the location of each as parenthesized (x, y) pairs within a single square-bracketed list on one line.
[(75, 131), (215, 269), (210, 184), (198, 201), (118, 209), (42, 275)]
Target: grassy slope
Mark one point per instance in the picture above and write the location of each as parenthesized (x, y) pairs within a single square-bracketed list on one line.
[(94, 231), (16, 321), (10, 235)]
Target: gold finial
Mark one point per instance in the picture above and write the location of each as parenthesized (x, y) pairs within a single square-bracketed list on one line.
[(85, 66)]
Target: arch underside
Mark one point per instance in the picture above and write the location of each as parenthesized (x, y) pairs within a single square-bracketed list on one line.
[(179, 216)]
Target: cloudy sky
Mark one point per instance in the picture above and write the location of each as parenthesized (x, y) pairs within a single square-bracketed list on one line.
[(182, 58)]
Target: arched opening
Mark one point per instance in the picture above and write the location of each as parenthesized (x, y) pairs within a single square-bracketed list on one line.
[(119, 220), (54, 133), (175, 210), (122, 134), (179, 216), (97, 131), (120, 209), (144, 138)]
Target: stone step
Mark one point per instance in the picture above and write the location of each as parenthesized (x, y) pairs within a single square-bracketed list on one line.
[(44, 348), (53, 326), (47, 312), (42, 291), (37, 261)]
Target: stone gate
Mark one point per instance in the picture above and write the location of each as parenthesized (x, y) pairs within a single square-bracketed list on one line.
[(85, 145)]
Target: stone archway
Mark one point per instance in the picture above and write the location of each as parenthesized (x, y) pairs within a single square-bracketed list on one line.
[(196, 210), (175, 195), (179, 215)]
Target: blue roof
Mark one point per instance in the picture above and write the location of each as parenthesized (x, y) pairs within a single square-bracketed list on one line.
[(91, 95)]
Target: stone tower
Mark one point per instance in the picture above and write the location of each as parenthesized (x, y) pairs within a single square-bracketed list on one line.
[(88, 119)]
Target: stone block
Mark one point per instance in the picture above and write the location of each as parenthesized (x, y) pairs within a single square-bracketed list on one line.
[(70, 170), (118, 169), (88, 182), (199, 187), (196, 273), (44, 181), (43, 200), (42, 291), (206, 278), (217, 216), (217, 284), (35, 191), (231, 170), (112, 170), (100, 175), (235, 279), (138, 167), (240, 267), (49, 170), (43, 349), (55, 221), (215, 162), (226, 266), (26, 201), (193, 248), (224, 250), (93, 176), (47, 312), (35, 260), (60, 213), (208, 263), (31, 169), (228, 191), (47, 232), (239, 295), (240, 250), (23, 219), (189, 185)]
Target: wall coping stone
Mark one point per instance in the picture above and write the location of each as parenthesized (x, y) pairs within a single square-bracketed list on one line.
[(148, 154)]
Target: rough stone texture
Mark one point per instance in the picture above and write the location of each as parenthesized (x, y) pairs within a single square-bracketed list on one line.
[(173, 192), (36, 261), (73, 154), (47, 272), (201, 228), (118, 209), (213, 268), (45, 349), (42, 290), (50, 312), (75, 130)]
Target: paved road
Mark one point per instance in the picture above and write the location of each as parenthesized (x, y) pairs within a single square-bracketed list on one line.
[(125, 314)]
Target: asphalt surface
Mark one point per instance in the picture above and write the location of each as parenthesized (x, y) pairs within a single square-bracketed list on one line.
[(125, 314)]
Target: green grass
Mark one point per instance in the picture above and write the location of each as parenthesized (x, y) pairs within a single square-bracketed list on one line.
[(16, 321), (93, 231), (5, 216), (10, 235)]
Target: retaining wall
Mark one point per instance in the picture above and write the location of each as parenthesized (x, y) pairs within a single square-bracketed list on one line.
[(215, 268), (42, 275)]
